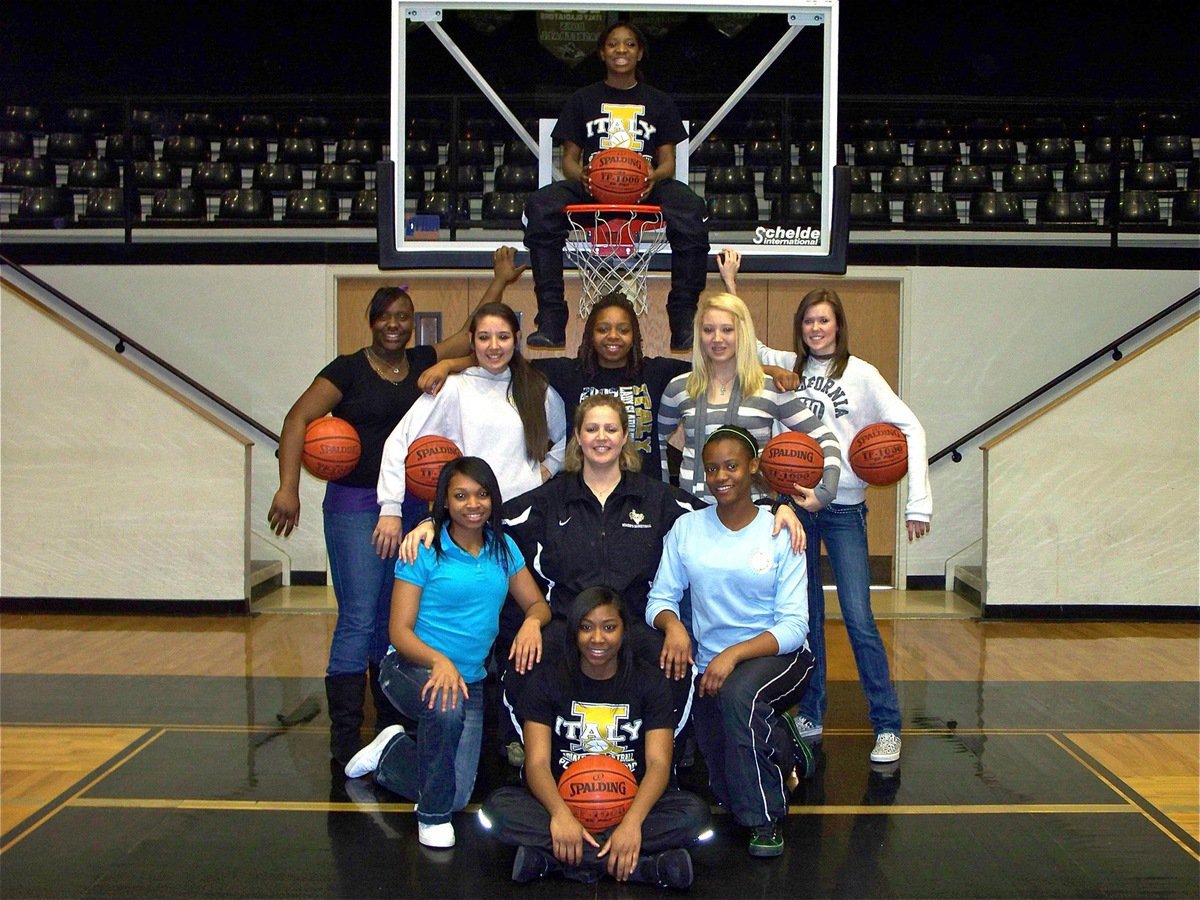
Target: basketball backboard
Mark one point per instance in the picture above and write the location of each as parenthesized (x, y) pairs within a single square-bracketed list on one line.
[(472, 84)]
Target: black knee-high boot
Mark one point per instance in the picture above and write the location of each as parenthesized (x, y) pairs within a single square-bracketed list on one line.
[(345, 694)]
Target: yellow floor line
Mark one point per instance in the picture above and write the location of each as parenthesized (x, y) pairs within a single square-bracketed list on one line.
[(326, 806)]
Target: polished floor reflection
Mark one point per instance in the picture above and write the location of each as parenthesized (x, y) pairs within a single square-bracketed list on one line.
[(173, 756)]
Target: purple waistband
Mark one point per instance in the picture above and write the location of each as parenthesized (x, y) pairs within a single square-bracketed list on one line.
[(342, 499)]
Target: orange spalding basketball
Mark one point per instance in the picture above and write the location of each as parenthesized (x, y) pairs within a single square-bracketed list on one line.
[(331, 448), (618, 175), (791, 458), (879, 454), (598, 789), (423, 465)]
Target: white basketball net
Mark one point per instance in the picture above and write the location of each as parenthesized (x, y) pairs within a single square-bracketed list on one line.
[(612, 249)]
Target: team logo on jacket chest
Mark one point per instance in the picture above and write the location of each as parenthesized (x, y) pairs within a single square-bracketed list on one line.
[(636, 520)]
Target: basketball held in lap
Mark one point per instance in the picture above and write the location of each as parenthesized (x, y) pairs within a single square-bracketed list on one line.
[(618, 175)]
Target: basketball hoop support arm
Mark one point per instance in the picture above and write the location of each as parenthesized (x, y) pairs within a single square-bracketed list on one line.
[(431, 18), (796, 23)]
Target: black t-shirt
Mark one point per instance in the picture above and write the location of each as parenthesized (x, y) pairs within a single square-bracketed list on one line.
[(640, 394), (595, 719), (373, 405), (639, 118)]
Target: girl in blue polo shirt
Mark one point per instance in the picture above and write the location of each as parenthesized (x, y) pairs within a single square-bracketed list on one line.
[(445, 616)]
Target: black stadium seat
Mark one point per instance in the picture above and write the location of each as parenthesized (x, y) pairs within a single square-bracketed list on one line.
[(797, 209), (930, 209), (277, 177), (44, 207), (1028, 179), (105, 206), (364, 207), (15, 144), (186, 149), (1070, 208), (869, 209), (1152, 176), (1092, 178), (177, 205), (245, 205), (437, 203), (63, 146), (90, 173), (967, 180), (303, 151), (997, 208), (503, 206), (906, 180), (216, 177), (153, 175), (739, 207), (1133, 207), (728, 180), (32, 172), (314, 206), (342, 178), (798, 181)]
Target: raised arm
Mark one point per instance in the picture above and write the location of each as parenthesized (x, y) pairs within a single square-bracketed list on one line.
[(504, 272)]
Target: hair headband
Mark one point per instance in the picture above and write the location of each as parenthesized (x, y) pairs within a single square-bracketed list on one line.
[(733, 431)]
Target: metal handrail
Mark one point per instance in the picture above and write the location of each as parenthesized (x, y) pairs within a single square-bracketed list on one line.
[(124, 342), (1113, 347)]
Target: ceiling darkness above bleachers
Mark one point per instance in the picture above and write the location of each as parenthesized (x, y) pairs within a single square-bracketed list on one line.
[(57, 49)]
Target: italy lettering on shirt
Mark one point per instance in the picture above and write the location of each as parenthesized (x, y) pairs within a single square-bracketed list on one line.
[(641, 412), (621, 125), (822, 384), (598, 728)]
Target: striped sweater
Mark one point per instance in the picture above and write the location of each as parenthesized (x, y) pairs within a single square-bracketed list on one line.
[(764, 414)]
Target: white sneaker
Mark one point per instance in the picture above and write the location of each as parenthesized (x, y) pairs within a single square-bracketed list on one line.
[(887, 747), (440, 836), (366, 760)]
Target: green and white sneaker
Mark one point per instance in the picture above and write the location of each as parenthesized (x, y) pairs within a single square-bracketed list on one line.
[(766, 840)]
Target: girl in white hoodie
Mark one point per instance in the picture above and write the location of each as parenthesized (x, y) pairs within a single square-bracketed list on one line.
[(501, 410), (848, 393)]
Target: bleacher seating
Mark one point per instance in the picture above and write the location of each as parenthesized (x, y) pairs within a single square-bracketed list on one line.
[(932, 167)]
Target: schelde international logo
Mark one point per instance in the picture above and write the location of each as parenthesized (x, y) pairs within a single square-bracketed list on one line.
[(805, 237)]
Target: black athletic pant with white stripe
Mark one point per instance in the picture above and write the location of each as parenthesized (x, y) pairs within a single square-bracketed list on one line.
[(745, 743)]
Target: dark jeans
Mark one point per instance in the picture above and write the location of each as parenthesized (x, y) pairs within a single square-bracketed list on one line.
[(546, 232), (438, 768), (519, 819), (747, 747)]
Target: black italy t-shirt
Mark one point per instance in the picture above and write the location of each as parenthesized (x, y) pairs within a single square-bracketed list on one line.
[(640, 394), (596, 718), (639, 118), (373, 405)]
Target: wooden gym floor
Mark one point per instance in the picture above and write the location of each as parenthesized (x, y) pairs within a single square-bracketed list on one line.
[(176, 756)]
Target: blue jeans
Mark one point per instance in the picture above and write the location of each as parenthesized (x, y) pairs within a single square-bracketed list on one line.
[(362, 584), (437, 769), (844, 531)]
